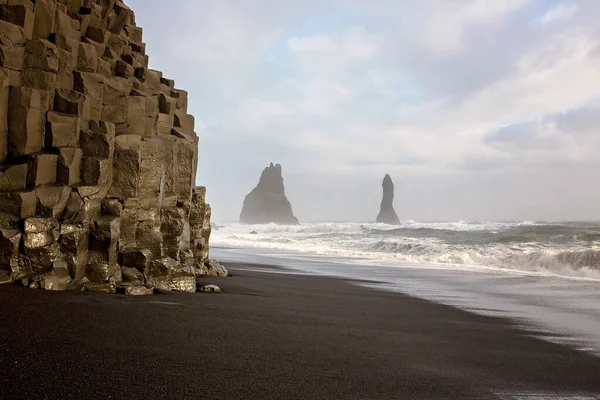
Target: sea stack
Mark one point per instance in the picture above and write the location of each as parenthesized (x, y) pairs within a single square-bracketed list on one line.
[(267, 203), (98, 156), (387, 214)]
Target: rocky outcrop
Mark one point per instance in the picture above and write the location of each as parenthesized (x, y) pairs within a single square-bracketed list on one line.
[(213, 268), (98, 155), (387, 214), (267, 202)]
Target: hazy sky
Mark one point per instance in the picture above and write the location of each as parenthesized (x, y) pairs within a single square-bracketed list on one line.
[(478, 109)]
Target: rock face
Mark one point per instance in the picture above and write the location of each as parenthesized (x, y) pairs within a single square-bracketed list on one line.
[(98, 155), (267, 203), (213, 268), (387, 214)]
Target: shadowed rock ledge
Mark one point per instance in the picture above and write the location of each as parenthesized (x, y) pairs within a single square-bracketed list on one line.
[(98, 155), (387, 214), (267, 203)]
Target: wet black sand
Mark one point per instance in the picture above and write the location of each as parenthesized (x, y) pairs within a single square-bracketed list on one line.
[(271, 336)]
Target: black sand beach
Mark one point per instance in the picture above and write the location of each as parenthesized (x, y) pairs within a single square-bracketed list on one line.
[(271, 336)]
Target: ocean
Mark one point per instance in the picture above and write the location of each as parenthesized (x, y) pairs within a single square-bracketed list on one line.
[(544, 276), (566, 249)]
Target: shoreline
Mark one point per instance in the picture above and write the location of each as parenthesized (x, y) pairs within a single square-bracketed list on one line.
[(274, 336), (266, 254), (524, 248), (390, 263), (561, 310)]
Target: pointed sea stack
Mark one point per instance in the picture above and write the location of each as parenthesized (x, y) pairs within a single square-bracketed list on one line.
[(387, 214), (267, 202)]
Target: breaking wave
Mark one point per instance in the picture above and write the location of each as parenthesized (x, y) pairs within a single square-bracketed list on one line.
[(570, 249)]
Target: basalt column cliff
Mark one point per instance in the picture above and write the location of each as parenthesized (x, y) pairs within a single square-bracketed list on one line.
[(97, 155), (387, 214), (267, 203)]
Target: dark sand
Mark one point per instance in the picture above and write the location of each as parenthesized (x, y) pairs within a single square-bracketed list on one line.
[(270, 336)]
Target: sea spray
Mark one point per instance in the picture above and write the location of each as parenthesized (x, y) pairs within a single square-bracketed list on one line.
[(570, 249)]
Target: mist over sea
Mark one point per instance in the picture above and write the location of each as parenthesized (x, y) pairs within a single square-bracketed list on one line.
[(567, 249)]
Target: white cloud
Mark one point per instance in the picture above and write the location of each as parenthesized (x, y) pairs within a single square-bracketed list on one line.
[(360, 44), (384, 76), (559, 12), (321, 97), (257, 113), (223, 32), (451, 20), (316, 43), (572, 135), (354, 43), (560, 76), (424, 89)]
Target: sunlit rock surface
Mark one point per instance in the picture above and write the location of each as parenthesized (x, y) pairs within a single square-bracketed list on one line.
[(267, 202), (387, 214), (210, 289), (98, 155), (213, 268)]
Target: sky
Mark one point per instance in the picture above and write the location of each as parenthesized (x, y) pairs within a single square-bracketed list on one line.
[(478, 109)]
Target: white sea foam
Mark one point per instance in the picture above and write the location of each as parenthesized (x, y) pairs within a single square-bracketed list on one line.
[(559, 249)]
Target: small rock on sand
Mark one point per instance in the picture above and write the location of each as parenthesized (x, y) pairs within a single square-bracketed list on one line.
[(210, 289)]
